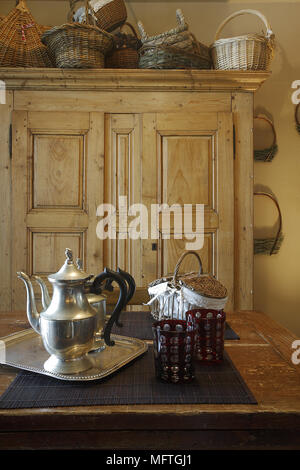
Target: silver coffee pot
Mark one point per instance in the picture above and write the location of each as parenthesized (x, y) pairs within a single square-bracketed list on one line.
[(69, 324), (97, 299)]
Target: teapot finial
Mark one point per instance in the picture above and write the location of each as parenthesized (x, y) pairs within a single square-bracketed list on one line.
[(69, 255)]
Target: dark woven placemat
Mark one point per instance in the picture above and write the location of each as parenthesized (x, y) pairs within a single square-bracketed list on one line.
[(135, 384), (138, 325)]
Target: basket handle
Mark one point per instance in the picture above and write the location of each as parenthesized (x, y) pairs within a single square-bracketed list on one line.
[(130, 27), (266, 119), (269, 32), (180, 261), (180, 17), (142, 31), (262, 193)]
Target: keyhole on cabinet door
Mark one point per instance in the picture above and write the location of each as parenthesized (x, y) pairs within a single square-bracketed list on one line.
[(154, 246)]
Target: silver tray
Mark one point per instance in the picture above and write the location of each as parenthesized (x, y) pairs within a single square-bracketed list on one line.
[(25, 350)]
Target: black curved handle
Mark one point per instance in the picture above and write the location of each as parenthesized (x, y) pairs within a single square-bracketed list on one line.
[(130, 283), (96, 286), (130, 290)]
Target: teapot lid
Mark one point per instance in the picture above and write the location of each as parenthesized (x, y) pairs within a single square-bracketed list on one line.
[(69, 271)]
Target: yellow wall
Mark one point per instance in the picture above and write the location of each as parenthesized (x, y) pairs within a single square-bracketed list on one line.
[(277, 278)]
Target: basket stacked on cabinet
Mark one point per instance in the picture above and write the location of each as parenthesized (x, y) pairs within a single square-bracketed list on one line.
[(94, 37)]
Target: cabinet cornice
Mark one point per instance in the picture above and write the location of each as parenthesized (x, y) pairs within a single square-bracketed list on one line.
[(131, 80)]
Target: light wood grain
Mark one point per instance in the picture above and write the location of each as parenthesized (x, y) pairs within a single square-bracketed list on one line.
[(108, 80), (57, 187), (243, 194), (130, 101), (5, 206), (20, 191)]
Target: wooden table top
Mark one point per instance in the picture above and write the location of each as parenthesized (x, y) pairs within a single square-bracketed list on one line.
[(263, 356)]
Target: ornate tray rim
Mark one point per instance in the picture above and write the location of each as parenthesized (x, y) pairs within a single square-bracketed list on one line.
[(25, 335)]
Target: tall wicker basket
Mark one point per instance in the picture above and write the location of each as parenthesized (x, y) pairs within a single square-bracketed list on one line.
[(246, 52), (20, 40)]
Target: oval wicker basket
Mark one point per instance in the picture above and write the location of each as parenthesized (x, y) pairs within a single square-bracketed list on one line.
[(78, 45), (110, 14), (267, 154), (175, 49), (20, 40), (246, 52), (271, 245), (125, 52)]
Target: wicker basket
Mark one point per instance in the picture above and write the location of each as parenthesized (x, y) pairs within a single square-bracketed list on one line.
[(173, 296), (267, 154), (271, 245), (125, 53), (110, 14), (20, 40), (78, 45), (247, 52), (167, 57), (174, 49)]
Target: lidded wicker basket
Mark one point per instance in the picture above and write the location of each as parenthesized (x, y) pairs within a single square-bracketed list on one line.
[(110, 14), (246, 52), (172, 297), (20, 40), (78, 45)]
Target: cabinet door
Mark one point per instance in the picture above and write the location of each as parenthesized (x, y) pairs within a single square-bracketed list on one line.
[(188, 159), (123, 179), (57, 184)]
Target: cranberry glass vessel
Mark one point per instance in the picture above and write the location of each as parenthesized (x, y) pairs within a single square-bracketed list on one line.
[(173, 342), (209, 336)]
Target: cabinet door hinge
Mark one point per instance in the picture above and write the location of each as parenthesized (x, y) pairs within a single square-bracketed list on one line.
[(234, 144), (10, 141)]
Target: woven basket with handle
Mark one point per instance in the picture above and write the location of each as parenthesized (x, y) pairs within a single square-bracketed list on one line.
[(175, 49), (110, 14), (20, 40), (172, 296), (269, 245), (125, 52), (267, 154), (78, 45), (246, 52), (297, 118)]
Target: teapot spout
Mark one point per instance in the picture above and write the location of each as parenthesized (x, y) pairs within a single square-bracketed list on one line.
[(32, 313), (44, 291)]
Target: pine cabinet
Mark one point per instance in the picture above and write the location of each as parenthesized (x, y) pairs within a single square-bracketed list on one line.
[(80, 139)]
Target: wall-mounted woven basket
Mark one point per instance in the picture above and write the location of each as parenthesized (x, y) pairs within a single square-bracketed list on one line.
[(110, 14), (20, 40), (78, 45), (125, 52), (296, 118), (269, 246), (246, 52), (267, 154)]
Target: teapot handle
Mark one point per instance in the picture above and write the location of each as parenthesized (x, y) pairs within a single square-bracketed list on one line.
[(112, 275), (131, 288)]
